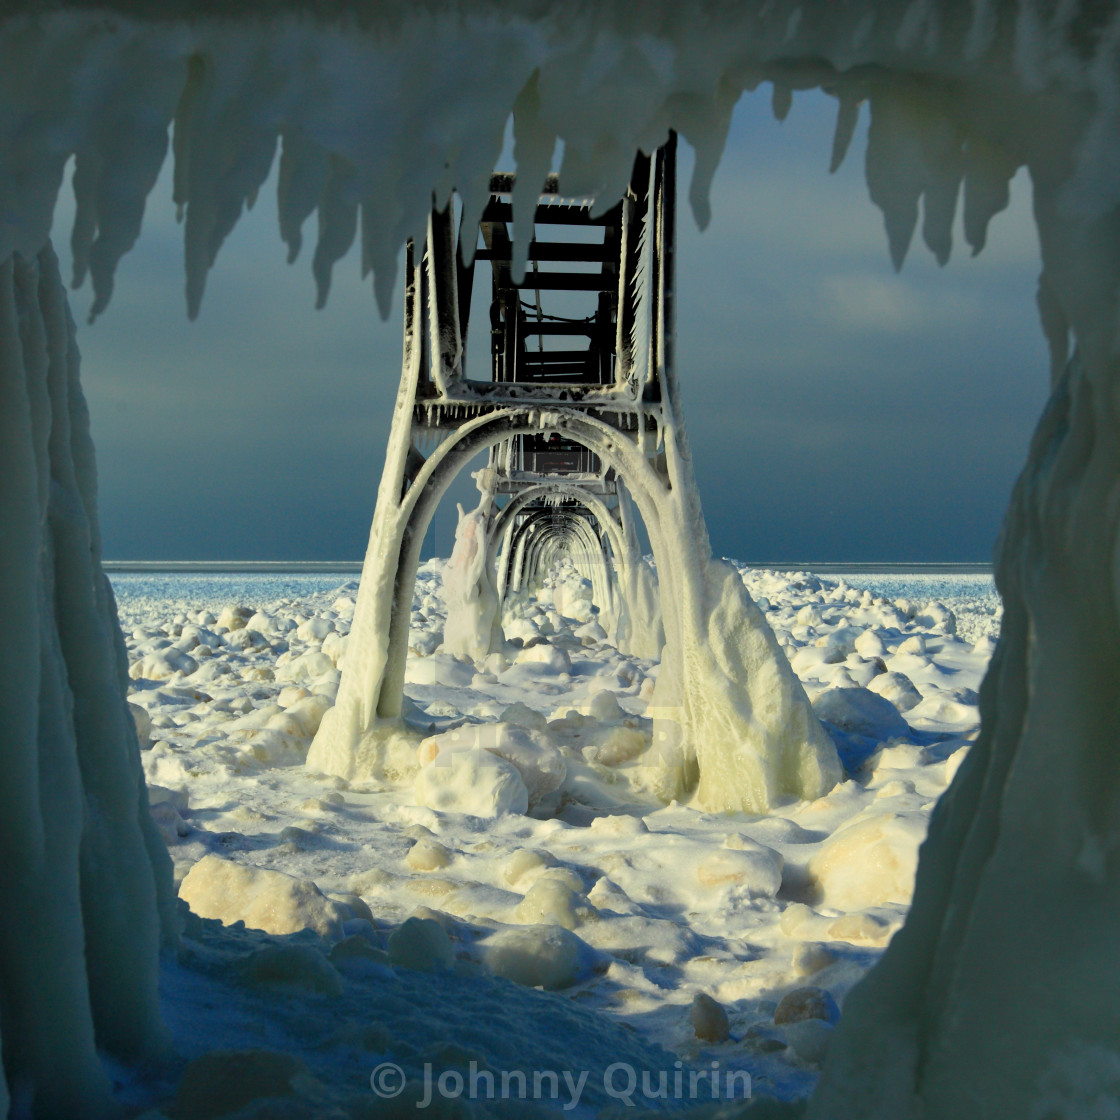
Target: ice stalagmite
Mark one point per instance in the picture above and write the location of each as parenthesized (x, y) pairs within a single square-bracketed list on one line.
[(85, 881)]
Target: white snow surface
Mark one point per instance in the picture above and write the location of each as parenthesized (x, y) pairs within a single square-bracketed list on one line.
[(621, 911)]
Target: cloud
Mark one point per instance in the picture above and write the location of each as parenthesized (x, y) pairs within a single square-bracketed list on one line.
[(862, 302)]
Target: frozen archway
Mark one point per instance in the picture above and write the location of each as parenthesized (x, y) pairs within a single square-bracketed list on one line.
[(959, 93), (625, 609)]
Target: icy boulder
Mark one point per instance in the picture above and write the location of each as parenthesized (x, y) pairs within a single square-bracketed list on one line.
[(870, 862), (541, 956), (163, 663), (471, 781), (531, 752), (545, 658), (898, 688), (262, 899), (754, 867), (553, 902), (859, 711)]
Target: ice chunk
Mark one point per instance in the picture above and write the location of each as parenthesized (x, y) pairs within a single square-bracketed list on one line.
[(163, 663), (870, 862), (545, 658), (292, 966), (422, 945), (235, 618), (471, 781), (532, 753), (427, 855), (551, 902), (261, 898), (709, 1020), (541, 956), (758, 869), (860, 711), (525, 862), (809, 1039), (897, 688), (807, 1003)]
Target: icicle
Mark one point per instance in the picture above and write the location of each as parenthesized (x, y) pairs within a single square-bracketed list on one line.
[(338, 223), (781, 100), (302, 179), (895, 175), (988, 172), (532, 150), (847, 118)]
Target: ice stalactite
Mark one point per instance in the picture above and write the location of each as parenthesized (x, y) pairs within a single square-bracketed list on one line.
[(85, 880), (472, 629)]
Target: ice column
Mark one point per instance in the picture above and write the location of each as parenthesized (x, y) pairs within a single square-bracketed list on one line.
[(85, 881), (472, 602)]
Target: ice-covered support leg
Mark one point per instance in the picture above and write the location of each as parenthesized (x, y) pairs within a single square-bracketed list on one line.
[(641, 632), (472, 629), (85, 880), (731, 717), (363, 733)]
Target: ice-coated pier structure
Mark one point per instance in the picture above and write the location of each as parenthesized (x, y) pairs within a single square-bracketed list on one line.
[(1001, 996), (584, 427)]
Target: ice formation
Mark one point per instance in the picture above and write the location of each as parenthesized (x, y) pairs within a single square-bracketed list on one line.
[(961, 94), (472, 603), (87, 893)]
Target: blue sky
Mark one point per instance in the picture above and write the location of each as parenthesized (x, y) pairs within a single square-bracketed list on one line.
[(837, 411)]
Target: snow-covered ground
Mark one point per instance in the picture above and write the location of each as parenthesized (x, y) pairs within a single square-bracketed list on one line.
[(443, 925)]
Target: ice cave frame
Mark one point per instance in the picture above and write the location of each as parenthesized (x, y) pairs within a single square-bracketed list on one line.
[(999, 997)]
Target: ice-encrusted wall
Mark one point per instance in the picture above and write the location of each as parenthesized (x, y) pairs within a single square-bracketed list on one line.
[(999, 998)]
